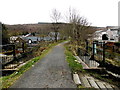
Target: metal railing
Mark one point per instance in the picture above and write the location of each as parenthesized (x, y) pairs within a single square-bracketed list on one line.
[(86, 58), (97, 57)]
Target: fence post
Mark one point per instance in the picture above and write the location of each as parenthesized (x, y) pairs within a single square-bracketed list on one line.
[(103, 53), (93, 52), (78, 52), (103, 61), (113, 49), (14, 54), (86, 51), (23, 47), (92, 58), (86, 55), (86, 45)]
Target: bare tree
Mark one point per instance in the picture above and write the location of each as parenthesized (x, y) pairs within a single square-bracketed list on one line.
[(56, 15), (79, 28)]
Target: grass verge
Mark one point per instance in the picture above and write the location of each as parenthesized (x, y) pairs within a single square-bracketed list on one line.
[(74, 66), (7, 81)]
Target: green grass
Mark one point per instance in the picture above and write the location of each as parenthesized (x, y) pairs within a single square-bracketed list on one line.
[(7, 81), (84, 88), (74, 66)]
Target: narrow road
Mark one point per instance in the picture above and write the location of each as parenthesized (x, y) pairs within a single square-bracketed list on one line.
[(50, 72)]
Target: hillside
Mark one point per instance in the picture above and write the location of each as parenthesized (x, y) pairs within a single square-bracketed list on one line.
[(38, 28), (23, 28)]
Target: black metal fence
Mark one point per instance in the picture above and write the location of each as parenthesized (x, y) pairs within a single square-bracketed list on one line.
[(96, 56), (87, 58)]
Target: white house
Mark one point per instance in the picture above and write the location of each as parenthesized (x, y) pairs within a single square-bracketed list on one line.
[(14, 38), (112, 33)]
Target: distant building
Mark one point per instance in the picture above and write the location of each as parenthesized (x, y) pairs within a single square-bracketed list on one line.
[(112, 33), (52, 35), (14, 39), (31, 39)]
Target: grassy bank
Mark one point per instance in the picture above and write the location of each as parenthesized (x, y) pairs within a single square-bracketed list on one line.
[(74, 66), (7, 81)]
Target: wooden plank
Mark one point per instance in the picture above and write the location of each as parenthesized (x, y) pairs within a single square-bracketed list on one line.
[(108, 86), (8, 69), (100, 84), (76, 79), (85, 82), (93, 84)]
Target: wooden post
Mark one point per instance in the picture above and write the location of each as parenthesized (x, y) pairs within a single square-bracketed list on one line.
[(14, 54), (78, 52), (103, 53), (87, 46), (113, 49), (93, 49), (86, 51), (93, 52), (23, 47)]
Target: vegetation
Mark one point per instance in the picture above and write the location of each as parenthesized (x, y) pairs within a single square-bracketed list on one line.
[(55, 17), (74, 66), (84, 88), (77, 29), (5, 35)]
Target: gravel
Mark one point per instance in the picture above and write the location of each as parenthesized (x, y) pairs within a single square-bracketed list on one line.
[(50, 72)]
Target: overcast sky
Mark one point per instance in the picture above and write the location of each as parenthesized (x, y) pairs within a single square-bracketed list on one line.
[(97, 12)]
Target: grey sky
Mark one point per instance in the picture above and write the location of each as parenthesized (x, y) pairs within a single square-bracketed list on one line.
[(98, 12)]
